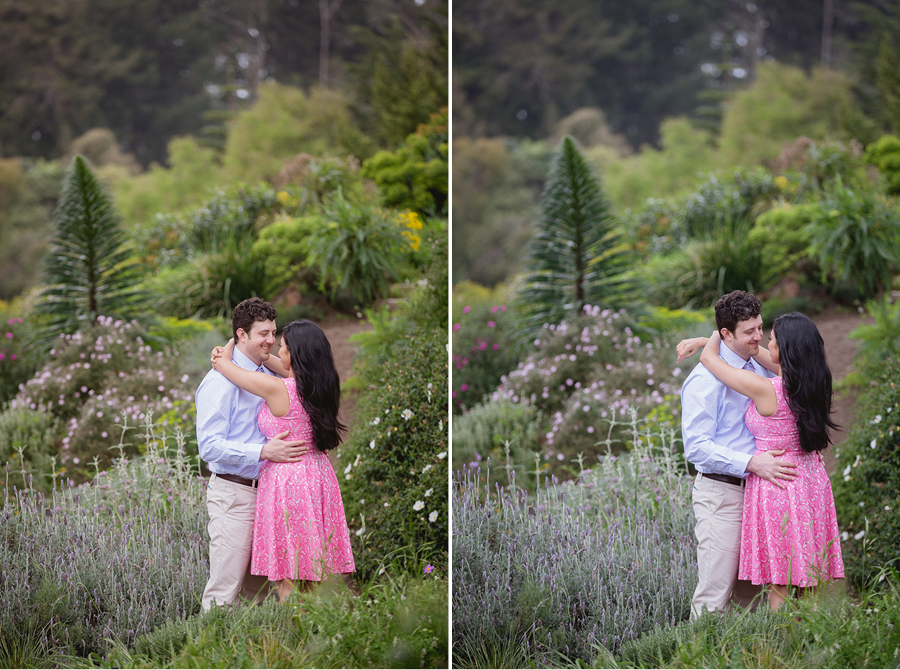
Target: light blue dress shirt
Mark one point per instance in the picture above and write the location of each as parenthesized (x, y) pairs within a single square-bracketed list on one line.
[(716, 440), (228, 436)]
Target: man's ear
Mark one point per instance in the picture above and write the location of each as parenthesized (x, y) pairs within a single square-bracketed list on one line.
[(242, 334), (727, 335)]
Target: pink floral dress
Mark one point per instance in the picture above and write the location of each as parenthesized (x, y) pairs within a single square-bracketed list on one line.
[(790, 535), (300, 530)]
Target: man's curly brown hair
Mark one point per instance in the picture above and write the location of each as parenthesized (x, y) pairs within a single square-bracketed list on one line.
[(735, 307), (249, 312)]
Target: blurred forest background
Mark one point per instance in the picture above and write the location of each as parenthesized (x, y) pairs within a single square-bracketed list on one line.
[(657, 92), (170, 100)]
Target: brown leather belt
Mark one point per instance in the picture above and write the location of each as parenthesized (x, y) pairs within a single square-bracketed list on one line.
[(252, 483), (727, 479)]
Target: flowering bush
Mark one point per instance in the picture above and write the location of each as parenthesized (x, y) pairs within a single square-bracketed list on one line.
[(100, 381), (587, 371), (482, 343), (866, 480), (15, 366), (393, 473)]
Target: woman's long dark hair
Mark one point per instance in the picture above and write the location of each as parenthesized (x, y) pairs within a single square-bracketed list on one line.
[(807, 379), (318, 384)]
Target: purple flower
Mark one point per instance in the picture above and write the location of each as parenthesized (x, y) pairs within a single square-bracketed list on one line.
[(429, 569), (466, 309), (491, 324)]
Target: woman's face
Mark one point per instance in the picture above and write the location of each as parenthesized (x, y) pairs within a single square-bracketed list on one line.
[(284, 354), (773, 349)]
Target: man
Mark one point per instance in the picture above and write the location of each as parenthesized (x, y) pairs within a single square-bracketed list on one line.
[(718, 443), (231, 443)]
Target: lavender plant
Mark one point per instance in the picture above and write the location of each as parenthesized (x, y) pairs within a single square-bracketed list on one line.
[(577, 567), (111, 559)]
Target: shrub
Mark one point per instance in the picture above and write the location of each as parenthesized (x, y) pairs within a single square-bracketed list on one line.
[(705, 270), (99, 382), (783, 239), (583, 374), (28, 439), (358, 249), (415, 175), (395, 467), (885, 155), (501, 431), (866, 480), (857, 239), (552, 578), (284, 246), (483, 350), (16, 366)]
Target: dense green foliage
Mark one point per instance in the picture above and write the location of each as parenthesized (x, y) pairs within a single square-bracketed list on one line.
[(885, 155), (395, 463), (866, 481)]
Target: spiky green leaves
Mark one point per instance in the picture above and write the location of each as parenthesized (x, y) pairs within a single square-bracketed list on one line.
[(575, 258), (87, 271)]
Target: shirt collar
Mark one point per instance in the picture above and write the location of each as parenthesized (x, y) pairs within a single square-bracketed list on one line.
[(241, 360), (728, 356)]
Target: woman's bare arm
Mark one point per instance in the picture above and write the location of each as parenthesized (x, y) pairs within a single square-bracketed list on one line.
[(745, 382), (270, 388)]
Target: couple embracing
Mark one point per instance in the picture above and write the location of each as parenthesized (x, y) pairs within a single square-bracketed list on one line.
[(754, 423), (264, 425)]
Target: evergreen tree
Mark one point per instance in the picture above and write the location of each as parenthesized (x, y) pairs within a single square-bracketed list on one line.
[(87, 271), (575, 258)]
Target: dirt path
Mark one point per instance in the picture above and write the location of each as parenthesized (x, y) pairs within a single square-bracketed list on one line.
[(338, 329), (835, 327)]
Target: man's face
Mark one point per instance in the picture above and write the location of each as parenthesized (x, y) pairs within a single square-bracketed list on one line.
[(256, 344), (745, 339)]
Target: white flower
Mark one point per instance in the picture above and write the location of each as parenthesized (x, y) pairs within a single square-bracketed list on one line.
[(847, 471), (877, 419), (441, 425), (348, 468), (426, 468), (872, 444), (360, 532), (419, 505), (356, 462), (387, 504), (376, 420), (887, 508), (433, 516), (859, 535), (372, 444), (381, 571), (858, 459), (406, 414), (441, 456), (845, 536), (430, 491)]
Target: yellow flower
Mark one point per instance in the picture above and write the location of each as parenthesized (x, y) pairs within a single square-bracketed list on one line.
[(414, 240), (283, 197), (410, 220), (781, 182)]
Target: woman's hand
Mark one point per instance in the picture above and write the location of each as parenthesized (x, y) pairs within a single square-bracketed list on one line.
[(689, 347), (219, 352)]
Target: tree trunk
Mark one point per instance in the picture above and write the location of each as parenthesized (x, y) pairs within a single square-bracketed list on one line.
[(327, 10), (827, 28)]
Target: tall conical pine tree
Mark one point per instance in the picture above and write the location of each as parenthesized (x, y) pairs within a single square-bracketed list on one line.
[(576, 257), (87, 271)]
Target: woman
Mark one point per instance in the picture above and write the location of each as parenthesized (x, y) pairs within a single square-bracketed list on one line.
[(300, 530), (789, 536)]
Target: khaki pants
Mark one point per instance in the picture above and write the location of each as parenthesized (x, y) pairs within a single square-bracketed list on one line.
[(718, 510), (232, 510)]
